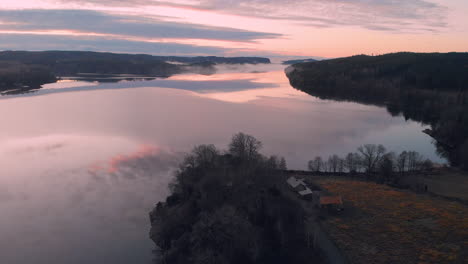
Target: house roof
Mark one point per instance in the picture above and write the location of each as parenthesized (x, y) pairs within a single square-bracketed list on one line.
[(295, 182), (305, 192), (299, 185)]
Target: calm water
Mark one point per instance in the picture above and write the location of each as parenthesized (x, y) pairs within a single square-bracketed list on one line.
[(82, 163)]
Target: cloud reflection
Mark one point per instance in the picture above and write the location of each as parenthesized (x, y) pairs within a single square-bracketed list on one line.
[(202, 85), (51, 202)]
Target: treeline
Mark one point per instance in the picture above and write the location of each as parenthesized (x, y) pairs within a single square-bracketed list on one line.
[(15, 75), (25, 68), (430, 88), (73, 62), (375, 161), (289, 62), (216, 60), (228, 207), (63, 63), (426, 71)]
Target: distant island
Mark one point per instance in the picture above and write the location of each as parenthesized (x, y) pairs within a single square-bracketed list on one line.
[(30, 70), (426, 87), (290, 62)]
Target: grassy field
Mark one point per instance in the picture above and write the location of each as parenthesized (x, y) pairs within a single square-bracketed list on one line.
[(447, 182), (385, 225)]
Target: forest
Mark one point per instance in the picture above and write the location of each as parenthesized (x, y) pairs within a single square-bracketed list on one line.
[(18, 75), (430, 88), (228, 207)]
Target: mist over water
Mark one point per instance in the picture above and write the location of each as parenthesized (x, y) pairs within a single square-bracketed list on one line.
[(71, 199), (82, 164)]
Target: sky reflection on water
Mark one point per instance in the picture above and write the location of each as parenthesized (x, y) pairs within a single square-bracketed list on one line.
[(81, 164)]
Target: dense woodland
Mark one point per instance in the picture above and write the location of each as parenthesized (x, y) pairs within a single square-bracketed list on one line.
[(51, 57), (430, 88), (18, 75), (23, 68), (227, 207)]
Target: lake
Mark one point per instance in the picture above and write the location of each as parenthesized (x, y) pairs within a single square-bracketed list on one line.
[(82, 163)]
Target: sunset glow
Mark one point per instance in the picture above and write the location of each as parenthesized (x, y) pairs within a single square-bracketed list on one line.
[(206, 131), (225, 28)]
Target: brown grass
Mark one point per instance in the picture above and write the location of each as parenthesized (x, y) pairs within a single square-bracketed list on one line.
[(393, 226)]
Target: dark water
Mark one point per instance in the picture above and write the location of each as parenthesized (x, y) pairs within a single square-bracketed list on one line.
[(82, 164)]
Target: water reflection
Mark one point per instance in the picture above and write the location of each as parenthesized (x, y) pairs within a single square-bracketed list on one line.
[(82, 164), (190, 85), (59, 206)]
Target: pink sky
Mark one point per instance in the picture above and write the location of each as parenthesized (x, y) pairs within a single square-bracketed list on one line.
[(245, 27)]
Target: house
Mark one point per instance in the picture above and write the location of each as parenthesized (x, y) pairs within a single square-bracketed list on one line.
[(331, 202), (299, 186)]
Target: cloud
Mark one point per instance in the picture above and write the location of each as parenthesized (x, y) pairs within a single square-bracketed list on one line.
[(134, 26), (370, 14), (395, 15)]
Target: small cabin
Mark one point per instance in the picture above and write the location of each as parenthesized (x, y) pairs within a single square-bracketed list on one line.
[(331, 202)]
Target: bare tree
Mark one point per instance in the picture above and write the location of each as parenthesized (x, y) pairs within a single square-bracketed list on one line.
[(352, 162), (205, 155), (371, 155), (427, 165), (201, 156), (316, 164), (387, 166), (341, 165), (402, 162), (414, 161), (326, 166), (333, 163), (245, 146), (282, 164), (273, 162)]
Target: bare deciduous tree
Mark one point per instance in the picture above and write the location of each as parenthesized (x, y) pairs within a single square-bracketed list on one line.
[(387, 166), (205, 155), (244, 146), (352, 161), (371, 155), (427, 165), (341, 165), (273, 162), (333, 163), (316, 164), (414, 161), (282, 164), (402, 161), (326, 166)]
